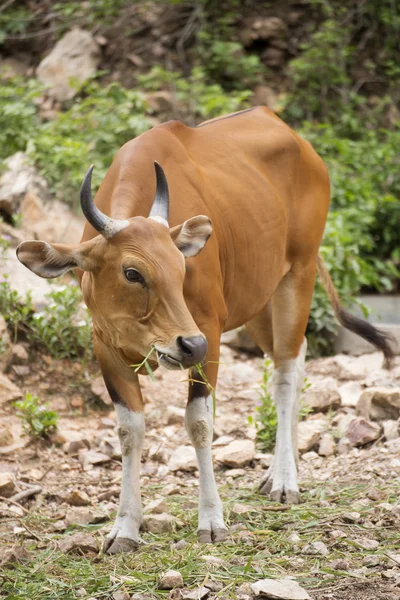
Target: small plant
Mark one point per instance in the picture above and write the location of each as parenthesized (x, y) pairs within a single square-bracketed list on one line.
[(266, 418), (15, 310), (37, 420), (64, 327)]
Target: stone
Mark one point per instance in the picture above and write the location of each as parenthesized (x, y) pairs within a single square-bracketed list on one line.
[(111, 446), (78, 498), (22, 281), (223, 440), (6, 436), (170, 579), (368, 544), (80, 515), (351, 517), (53, 220), (87, 458), (8, 390), (309, 433), (262, 28), (360, 432), (74, 58), (162, 523), (265, 96), (19, 354), (78, 543), (13, 556), (174, 415), (240, 339), (379, 403), (98, 388), (213, 561), (316, 548), (350, 393), (183, 459), (7, 484), (340, 565), (19, 178), (235, 473), (279, 589), (237, 454), (162, 101), (5, 346), (196, 594), (327, 446), (156, 507), (120, 596), (390, 430), (75, 446), (344, 446), (323, 396)]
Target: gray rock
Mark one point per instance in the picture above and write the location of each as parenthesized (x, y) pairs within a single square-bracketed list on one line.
[(379, 403), (90, 457), (390, 430), (162, 523), (5, 346), (240, 339), (8, 390), (350, 393), (323, 396), (79, 543), (7, 484), (74, 57), (18, 179), (310, 432), (183, 459), (170, 580), (361, 432), (195, 594), (327, 446), (279, 589), (237, 454), (78, 498)]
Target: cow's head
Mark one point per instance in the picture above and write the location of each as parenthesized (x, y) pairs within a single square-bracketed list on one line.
[(133, 277)]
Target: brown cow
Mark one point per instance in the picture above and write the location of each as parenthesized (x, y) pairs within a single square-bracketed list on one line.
[(266, 193)]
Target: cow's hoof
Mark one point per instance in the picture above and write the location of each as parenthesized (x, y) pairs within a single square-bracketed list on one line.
[(207, 536), (285, 496), (119, 545)]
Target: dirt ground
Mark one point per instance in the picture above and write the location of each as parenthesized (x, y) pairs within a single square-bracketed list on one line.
[(341, 543)]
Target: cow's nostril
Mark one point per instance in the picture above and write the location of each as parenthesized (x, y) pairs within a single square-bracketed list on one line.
[(194, 348)]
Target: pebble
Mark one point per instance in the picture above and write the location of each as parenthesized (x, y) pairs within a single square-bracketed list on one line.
[(170, 579)]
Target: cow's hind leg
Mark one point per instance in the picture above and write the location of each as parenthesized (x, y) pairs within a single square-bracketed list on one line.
[(199, 420), (288, 316)]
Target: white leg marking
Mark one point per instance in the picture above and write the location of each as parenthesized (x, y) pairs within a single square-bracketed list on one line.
[(199, 424), (281, 478), (125, 533)]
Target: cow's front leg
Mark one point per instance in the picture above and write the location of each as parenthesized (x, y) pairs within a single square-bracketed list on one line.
[(124, 536), (199, 424), (124, 389)]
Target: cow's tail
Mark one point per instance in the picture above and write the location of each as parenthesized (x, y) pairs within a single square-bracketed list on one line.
[(381, 340)]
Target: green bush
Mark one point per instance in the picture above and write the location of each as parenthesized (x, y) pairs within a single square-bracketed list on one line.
[(37, 420), (63, 327), (199, 97)]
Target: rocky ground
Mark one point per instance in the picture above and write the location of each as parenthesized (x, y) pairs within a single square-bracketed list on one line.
[(58, 500)]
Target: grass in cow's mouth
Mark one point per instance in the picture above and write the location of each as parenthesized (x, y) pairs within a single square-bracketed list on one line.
[(145, 363)]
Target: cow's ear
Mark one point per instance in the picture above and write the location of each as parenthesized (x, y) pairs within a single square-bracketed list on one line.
[(192, 235), (53, 260)]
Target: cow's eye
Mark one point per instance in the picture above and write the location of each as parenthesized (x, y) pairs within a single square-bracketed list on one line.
[(134, 276)]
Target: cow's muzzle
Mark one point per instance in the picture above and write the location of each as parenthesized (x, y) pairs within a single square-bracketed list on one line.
[(189, 351)]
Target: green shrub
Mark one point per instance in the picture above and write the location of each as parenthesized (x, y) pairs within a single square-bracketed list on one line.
[(199, 97), (64, 326), (37, 420)]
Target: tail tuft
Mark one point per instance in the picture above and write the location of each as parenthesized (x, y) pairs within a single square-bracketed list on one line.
[(381, 340)]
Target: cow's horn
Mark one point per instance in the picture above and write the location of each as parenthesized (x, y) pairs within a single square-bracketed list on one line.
[(105, 225), (160, 209)]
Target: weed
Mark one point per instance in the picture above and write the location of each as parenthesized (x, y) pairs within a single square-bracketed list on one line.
[(64, 325), (266, 418), (15, 310), (37, 420)]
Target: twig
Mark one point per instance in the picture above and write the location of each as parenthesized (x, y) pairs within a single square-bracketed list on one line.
[(35, 489), (277, 508), (52, 466), (392, 558), (11, 501), (6, 5)]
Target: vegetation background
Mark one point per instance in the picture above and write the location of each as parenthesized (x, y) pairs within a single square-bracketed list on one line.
[(329, 68)]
